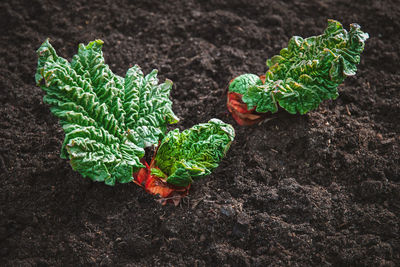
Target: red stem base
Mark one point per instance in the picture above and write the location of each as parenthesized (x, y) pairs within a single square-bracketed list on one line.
[(239, 111), (159, 186)]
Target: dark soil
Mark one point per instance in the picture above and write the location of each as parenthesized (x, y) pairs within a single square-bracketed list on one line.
[(320, 189)]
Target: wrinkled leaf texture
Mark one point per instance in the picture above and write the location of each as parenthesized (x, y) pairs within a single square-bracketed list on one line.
[(108, 120), (307, 72), (192, 153)]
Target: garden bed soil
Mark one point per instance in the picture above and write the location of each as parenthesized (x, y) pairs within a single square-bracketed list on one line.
[(319, 189)]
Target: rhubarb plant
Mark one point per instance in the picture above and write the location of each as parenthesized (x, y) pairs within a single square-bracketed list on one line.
[(304, 74), (109, 120), (184, 156), (193, 153)]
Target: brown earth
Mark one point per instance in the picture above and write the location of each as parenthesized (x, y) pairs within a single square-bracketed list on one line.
[(320, 189)]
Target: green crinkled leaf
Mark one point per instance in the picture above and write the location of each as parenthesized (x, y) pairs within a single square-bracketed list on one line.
[(108, 120), (193, 153), (241, 83), (308, 71)]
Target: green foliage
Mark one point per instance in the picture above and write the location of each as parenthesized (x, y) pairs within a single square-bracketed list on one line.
[(308, 71), (241, 83), (195, 152), (108, 120)]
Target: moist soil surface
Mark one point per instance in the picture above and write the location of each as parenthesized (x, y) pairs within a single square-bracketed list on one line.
[(320, 189)]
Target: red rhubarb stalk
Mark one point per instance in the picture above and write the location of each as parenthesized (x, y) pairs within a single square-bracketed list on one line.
[(159, 186), (242, 115)]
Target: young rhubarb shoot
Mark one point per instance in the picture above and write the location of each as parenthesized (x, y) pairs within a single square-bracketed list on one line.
[(108, 121), (304, 74), (184, 156)]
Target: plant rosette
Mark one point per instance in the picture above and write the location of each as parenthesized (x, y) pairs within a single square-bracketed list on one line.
[(109, 120), (303, 75), (182, 157)]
